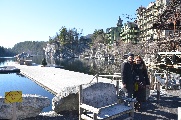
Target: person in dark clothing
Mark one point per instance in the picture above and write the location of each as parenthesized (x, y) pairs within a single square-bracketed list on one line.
[(141, 81), (127, 75)]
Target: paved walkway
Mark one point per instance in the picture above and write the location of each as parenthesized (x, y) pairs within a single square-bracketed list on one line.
[(55, 79)]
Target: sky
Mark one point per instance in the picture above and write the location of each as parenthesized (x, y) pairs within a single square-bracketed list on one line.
[(36, 20)]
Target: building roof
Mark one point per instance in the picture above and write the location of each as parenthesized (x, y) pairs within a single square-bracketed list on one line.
[(131, 24)]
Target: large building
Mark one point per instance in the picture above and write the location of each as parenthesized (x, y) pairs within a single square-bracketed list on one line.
[(114, 32), (147, 16), (169, 23), (170, 19), (146, 19), (127, 33), (130, 33)]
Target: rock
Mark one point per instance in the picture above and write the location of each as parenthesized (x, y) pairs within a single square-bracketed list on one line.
[(31, 106), (50, 114), (68, 99)]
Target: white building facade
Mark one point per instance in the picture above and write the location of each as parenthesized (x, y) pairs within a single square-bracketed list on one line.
[(146, 16)]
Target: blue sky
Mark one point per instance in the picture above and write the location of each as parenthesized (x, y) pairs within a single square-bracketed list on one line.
[(36, 20)]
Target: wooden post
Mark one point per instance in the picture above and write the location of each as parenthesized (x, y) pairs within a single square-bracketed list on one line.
[(157, 88), (179, 113), (14, 111), (132, 111), (148, 89), (155, 83), (166, 85), (97, 77), (151, 81), (80, 102), (95, 116), (117, 87), (158, 91)]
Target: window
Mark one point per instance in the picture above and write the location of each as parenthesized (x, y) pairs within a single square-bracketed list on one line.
[(176, 33), (170, 33)]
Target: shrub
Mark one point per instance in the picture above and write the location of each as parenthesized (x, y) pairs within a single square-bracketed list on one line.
[(44, 63)]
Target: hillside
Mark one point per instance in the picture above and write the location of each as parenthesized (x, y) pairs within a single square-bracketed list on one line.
[(31, 47)]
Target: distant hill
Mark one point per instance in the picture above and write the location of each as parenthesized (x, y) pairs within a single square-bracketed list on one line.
[(6, 52), (31, 47)]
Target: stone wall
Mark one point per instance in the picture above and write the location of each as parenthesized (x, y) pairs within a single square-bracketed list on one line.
[(31, 106)]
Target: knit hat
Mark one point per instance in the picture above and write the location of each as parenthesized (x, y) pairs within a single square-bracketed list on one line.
[(130, 54)]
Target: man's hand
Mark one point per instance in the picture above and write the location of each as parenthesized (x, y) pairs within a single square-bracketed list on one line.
[(124, 88), (124, 85), (148, 86)]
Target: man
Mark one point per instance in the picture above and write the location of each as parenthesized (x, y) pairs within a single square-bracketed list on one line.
[(127, 75)]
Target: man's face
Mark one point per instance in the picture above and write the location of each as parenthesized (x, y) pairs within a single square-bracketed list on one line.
[(130, 58)]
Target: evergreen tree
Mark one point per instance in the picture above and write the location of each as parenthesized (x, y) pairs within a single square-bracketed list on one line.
[(44, 62)]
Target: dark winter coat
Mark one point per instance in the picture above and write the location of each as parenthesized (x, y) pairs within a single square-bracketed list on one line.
[(141, 71), (127, 76)]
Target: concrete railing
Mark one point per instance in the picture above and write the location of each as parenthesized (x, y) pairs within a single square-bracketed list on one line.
[(159, 81), (179, 113)]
